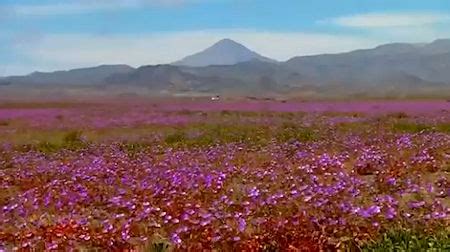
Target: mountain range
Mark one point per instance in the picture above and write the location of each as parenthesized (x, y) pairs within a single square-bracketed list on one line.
[(227, 67)]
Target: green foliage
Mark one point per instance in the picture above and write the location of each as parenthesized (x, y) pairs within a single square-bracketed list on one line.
[(159, 247), (71, 140), (72, 137), (47, 147), (176, 137), (444, 127), (233, 133), (410, 127), (290, 131), (157, 244), (207, 135), (356, 127), (405, 240)]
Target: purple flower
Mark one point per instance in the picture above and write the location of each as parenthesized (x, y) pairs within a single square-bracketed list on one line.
[(416, 204), (370, 212), (175, 239), (392, 181), (390, 213), (242, 225)]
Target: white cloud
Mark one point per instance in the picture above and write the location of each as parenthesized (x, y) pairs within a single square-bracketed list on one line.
[(60, 9), (89, 6), (386, 20), (396, 27), (81, 50)]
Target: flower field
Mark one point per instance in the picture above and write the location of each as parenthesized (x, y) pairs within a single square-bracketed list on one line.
[(225, 176)]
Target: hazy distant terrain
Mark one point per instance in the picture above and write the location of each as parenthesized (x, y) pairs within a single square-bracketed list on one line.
[(228, 67)]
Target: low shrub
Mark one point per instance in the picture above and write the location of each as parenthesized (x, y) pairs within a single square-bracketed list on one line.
[(444, 127), (71, 140), (406, 240), (293, 132), (73, 137), (177, 137), (410, 127)]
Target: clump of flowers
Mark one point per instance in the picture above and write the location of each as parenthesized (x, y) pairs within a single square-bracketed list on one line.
[(324, 188), (370, 161)]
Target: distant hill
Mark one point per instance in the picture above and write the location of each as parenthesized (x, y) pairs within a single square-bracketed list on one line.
[(424, 61), (229, 68), (224, 52), (81, 76), (168, 78)]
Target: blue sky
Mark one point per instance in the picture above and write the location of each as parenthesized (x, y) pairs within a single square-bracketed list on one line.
[(48, 35)]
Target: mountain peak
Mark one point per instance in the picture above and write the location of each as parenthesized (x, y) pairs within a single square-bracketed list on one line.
[(440, 41), (227, 42), (438, 46), (223, 52)]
